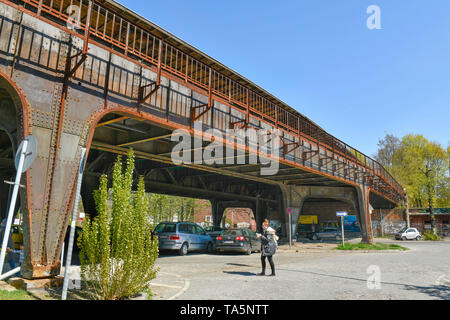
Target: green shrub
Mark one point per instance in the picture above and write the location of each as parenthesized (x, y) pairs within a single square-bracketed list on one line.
[(117, 252), (430, 236)]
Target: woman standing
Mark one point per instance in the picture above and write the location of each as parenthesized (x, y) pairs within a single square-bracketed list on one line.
[(268, 247)]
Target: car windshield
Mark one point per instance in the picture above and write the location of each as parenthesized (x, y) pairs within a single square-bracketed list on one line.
[(231, 233), (403, 230), (165, 227)]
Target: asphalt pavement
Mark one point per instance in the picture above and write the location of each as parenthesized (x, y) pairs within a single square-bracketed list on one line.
[(307, 271), (314, 271)]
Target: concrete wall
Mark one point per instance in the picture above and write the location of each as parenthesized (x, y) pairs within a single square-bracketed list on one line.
[(388, 222), (327, 210)]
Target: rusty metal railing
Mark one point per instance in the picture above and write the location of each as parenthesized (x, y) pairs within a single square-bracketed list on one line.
[(129, 39)]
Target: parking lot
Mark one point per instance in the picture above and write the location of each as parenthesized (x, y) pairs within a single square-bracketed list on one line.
[(309, 271)]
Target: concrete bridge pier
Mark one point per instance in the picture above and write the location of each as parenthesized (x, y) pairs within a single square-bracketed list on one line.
[(292, 197), (217, 212), (362, 203)]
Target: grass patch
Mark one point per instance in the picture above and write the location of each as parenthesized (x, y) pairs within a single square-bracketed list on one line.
[(15, 295), (366, 246)]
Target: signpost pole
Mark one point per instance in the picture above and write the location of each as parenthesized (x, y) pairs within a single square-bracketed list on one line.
[(290, 228), (342, 214), (12, 204), (289, 212), (72, 227)]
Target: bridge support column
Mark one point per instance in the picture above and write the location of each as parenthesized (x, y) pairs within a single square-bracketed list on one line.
[(217, 212), (291, 197), (51, 188), (260, 211), (364, 213)]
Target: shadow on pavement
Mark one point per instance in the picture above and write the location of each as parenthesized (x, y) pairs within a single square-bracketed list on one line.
[(241, 273), (240, 265), (436, 291)]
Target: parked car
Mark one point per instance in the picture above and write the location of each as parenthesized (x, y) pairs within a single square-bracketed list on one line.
[(306, 231), (238, 240), (214, 232), (183, 237), (327, 233), (408, 234)]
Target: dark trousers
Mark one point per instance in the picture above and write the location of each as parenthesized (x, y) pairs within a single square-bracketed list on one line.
[(263, 263)]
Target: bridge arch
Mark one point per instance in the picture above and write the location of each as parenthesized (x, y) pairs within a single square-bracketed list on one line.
[(14, 107), (13, 128), (326, 207)]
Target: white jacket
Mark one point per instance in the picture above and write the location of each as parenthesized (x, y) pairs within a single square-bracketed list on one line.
[(273, 232)]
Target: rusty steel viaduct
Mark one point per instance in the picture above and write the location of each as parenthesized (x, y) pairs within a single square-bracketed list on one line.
[(102, 77)]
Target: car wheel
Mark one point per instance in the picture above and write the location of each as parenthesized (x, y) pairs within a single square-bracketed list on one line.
[(210, 248), (184, 249), (418, 238), (249, 251), (403, 238), (315, 237)]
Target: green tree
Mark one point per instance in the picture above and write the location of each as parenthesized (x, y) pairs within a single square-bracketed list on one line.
[(387, 148), (161, 208), (117, 250), (173, 208), (188, 208), (421, 167)]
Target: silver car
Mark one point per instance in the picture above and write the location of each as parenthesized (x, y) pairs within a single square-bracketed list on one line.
[(408, 234), (328, 233), (183, 237)]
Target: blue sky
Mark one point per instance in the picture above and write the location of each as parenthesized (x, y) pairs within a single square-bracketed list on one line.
[(320, 58)]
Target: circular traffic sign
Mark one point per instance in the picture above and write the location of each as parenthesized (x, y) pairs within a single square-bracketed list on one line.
[(30, 153)]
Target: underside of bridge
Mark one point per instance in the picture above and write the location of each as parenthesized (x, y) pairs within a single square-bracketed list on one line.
[(8, 145), (225, 186)]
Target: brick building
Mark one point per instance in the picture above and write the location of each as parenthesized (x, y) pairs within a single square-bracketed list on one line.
[(235, 217), (421, 219)]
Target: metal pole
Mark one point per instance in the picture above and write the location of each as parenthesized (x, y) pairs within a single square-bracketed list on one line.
[(72, 226), (342, 227), (290, 230), (9, 273), (62, 254), (381, 223), (12, 204), (371, 227)]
